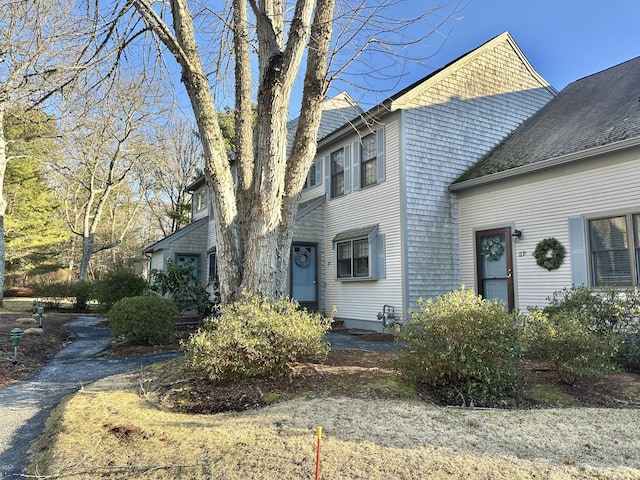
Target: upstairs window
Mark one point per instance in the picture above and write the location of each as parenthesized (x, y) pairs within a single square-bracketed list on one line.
[(369, 160), (201, 200), (315, 175), (337, 173)]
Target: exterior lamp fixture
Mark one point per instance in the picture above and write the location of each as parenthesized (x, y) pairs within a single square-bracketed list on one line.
[(40, 314), (16, 335), (516, 234), (35, 306)]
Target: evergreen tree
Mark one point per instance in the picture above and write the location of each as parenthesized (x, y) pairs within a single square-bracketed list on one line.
[(34, 232)]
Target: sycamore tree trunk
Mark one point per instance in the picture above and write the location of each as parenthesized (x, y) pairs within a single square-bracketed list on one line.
[(254, 222), (88, 242)]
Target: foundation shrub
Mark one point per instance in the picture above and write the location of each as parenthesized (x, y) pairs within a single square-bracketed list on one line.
[(571, 345), (464, 345), (611, 313), (144, 320), (257, 338)]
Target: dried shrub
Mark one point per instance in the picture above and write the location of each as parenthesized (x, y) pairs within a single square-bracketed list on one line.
[(257, 338)]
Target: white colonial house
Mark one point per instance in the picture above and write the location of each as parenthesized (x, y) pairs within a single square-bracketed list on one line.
[(570, 173), (378, 225)]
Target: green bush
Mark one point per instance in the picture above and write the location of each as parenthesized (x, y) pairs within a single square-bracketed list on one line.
[(119, 283), (53, 294), (144, 320), (464, 345), (257, 338), (83, 292), (570, 344), (184, 288), (612, 313)]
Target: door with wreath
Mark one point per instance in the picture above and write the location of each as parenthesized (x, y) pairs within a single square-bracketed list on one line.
[(494, 265), (304, 285)]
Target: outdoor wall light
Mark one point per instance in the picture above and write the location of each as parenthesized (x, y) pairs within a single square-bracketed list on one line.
[(516, 234)]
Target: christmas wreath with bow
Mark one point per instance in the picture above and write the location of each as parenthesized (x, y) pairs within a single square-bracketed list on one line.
[(492, 248), (549, 253)]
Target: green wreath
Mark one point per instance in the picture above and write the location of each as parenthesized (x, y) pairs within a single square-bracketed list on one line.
[(549, 253), (492, 248)]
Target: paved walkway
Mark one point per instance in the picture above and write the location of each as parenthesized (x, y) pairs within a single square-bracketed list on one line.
[(26, 405)]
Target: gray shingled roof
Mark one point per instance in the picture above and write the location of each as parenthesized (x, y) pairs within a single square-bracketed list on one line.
[(594, 111), (331, 120)]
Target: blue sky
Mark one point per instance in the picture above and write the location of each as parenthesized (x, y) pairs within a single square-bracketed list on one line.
[(563, 39)]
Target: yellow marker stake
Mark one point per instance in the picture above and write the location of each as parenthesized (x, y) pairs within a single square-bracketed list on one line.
[(318, 454)]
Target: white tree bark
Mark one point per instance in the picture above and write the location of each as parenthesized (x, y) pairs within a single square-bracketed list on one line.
[(254, 221)]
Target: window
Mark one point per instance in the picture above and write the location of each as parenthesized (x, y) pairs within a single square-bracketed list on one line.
[(213, 267), (337, 173), (201, 200), (353, 259), (360, 254), (614, 254), (315, 175), (369, 160)]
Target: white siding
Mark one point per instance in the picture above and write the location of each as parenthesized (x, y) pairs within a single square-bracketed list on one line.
[(540, 205), (157, 260), (378, 204), (448, 127)]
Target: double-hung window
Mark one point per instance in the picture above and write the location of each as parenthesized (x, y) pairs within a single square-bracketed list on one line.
[(353, 258), (369, 160), (201, 200), (315, 175), (614, 250), (360, 254), (337, 173)]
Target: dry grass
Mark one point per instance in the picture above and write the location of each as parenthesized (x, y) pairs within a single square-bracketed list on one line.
[(110, 431)]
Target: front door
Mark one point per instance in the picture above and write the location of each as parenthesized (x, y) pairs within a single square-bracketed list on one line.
[(303, 275), (495, 265)]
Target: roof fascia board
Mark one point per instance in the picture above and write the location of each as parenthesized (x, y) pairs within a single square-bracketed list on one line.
[(546, 164)]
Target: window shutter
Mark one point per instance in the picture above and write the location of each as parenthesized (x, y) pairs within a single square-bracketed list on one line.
[(319, 164), (356, 165), (578, 252), (347, 169), (381, 159), (381, 269), (327, 175)]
